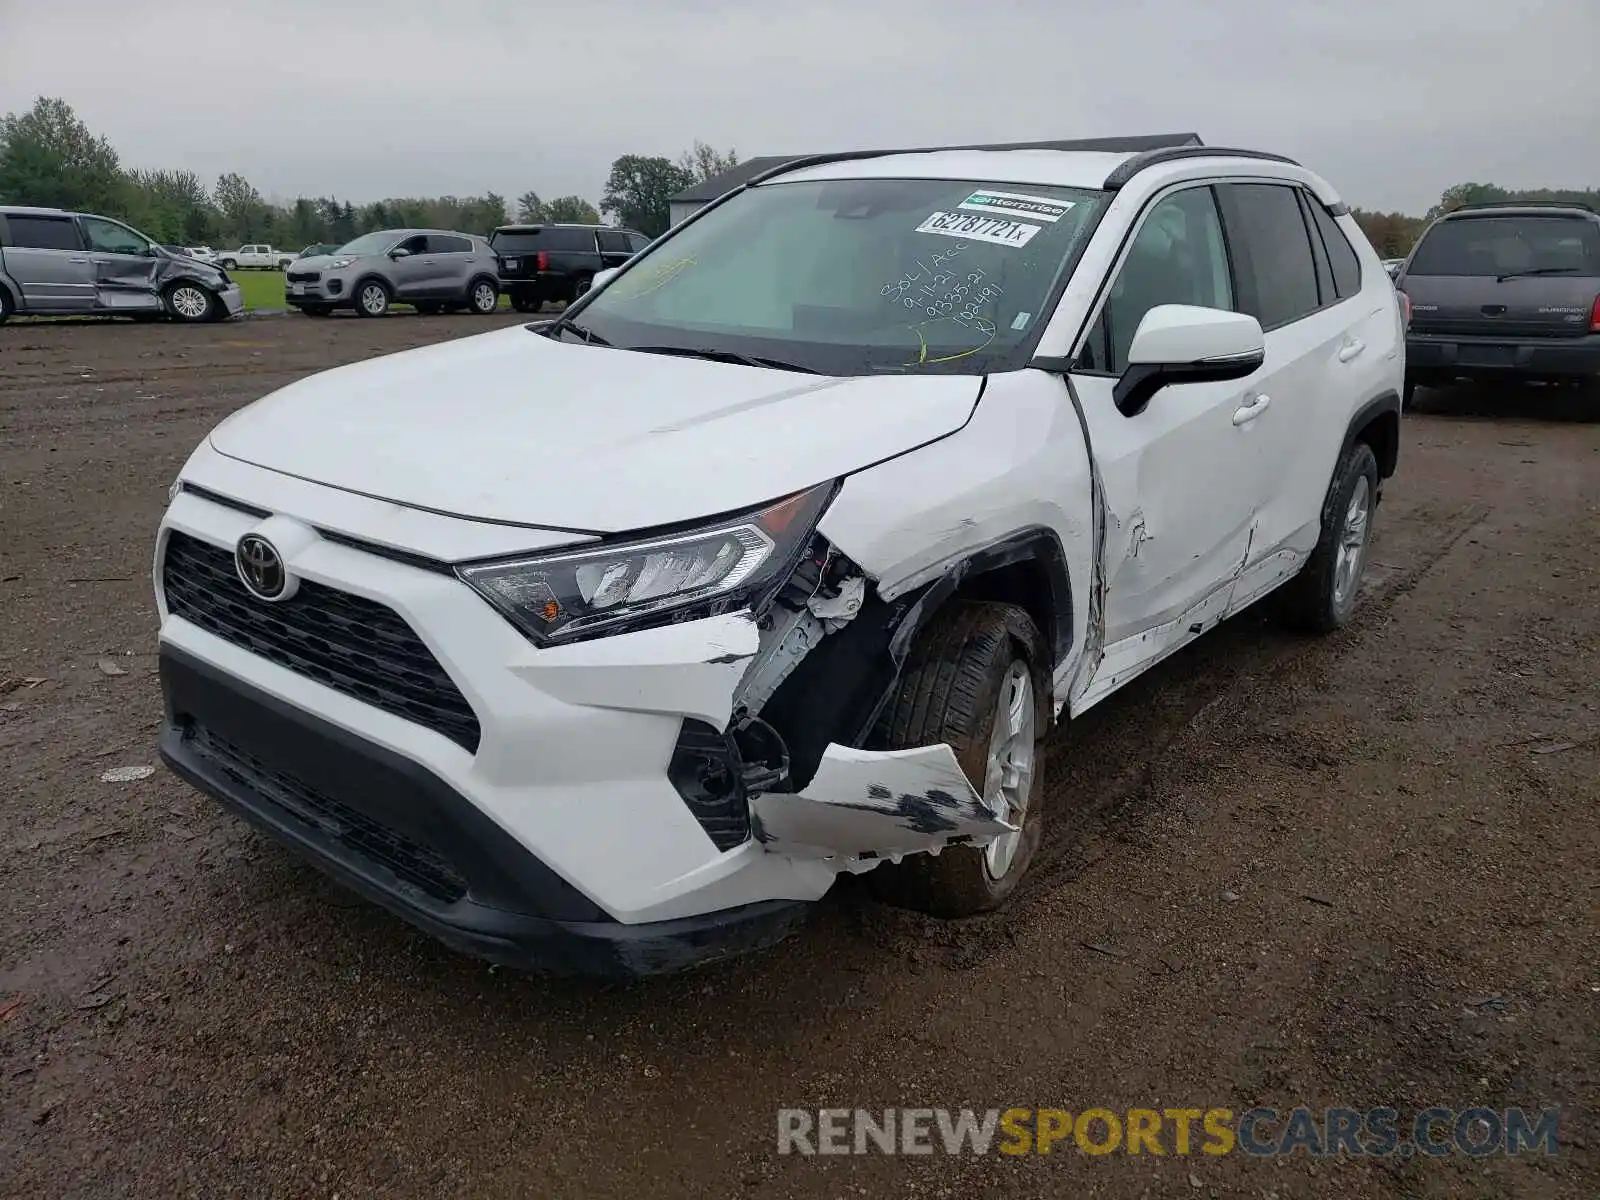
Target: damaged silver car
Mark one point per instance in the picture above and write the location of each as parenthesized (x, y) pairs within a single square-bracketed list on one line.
[(57, 263)]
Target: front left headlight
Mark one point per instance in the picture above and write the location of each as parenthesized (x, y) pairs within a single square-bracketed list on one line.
[(718, 568), (339, 264)]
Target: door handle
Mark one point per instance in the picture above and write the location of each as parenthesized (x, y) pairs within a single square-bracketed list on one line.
[(1246, 413), (1350, 349)]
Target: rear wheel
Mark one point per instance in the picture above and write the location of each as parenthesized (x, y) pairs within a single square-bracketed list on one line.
[(483, 297), (372, 298), (976, 679), (6, 307), (189, 302), (230, 264), (581, 284), (1321, 598)]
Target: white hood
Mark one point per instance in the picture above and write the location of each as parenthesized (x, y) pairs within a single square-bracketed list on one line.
[(513, 427)]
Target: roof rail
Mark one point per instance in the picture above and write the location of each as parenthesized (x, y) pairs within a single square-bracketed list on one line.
[(1151, 158), (1479, 204), (1149, 143)]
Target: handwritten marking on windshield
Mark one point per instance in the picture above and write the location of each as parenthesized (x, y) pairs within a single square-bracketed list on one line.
[(927, 265), (985, 327), (651, 278)]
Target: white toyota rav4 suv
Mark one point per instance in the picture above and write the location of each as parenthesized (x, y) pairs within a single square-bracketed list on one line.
[(605, 645)]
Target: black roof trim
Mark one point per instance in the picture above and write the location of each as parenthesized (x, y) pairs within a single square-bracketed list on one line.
[(1481, 206), (1151, 158), (1137, 144)]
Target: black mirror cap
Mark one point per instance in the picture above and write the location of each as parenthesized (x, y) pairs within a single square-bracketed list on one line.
[(1140, 382)]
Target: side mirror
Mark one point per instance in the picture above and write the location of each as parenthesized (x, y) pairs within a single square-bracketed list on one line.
[(601, 278), (399, 252), (1182, 343)]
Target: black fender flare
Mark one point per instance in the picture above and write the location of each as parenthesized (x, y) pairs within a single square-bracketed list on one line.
[(1388, 456), (1036, 544)]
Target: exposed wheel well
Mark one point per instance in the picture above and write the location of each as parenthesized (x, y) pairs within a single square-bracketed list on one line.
[(1025, 583)]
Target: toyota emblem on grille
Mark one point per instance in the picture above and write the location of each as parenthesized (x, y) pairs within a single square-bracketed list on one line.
[(260, 567)]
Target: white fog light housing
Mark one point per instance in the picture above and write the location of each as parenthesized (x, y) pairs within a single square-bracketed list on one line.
[(630, 584)]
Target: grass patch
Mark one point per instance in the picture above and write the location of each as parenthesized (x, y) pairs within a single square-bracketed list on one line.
[(263, 290)]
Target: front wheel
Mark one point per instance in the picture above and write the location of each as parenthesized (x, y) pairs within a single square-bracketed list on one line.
[(483, 297), (1321, 598), (977, 679), (189, 303), (372, 299)]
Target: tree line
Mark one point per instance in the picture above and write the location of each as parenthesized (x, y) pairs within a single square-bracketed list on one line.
[(50, 158)]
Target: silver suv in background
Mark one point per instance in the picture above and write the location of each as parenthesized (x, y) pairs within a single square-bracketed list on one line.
[(1506, 291), (434, 270), (58, 263)]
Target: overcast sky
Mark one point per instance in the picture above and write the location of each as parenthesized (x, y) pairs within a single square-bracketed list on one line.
[(1392, 101)]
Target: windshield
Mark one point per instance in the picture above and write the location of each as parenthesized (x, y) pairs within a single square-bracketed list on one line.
[(851, 277), (1509, 246), (370, 243)]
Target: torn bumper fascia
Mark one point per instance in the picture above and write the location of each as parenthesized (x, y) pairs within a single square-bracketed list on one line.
[(865, 806)]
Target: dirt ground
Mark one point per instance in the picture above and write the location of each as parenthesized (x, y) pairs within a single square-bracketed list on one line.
[(1360, 871)]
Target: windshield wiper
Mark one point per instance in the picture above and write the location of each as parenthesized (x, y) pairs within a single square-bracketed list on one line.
[(1537, 271), (728, 356), (588, 335)]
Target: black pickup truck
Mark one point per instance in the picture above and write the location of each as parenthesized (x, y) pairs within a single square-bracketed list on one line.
[(557, 262)]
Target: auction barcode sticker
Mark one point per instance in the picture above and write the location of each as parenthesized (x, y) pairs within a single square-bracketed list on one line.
[(980, 229)]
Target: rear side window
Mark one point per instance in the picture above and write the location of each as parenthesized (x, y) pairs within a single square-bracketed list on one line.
[(637, 241), (1509, 245), (614, 243), (568, 239), (1341, 255), (1272, 250), (42, 233), (443, 243)]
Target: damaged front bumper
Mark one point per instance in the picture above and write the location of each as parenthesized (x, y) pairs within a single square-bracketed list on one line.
[(575, 778)]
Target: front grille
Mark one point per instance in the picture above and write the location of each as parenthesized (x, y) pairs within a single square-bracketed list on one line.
[(353, 645), (303, 276), (408, 860)]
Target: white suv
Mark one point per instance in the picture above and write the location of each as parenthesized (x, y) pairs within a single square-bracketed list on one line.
[(605, 644)]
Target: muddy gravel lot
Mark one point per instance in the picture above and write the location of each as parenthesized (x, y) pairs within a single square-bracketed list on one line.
[(1361, 871)]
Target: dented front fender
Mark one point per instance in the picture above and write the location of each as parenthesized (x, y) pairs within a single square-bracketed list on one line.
[(864, 806)]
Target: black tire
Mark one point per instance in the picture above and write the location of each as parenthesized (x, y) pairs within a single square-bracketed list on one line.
[(950, 691), (428, 308), (483, 296), (230, 264), (6, 306), (188, 302), (317, 310), (580, 285), (372, 298), (1320, 599), (526, 304)]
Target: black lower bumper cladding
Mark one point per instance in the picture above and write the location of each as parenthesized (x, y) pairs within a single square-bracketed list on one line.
[(393, 831)]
